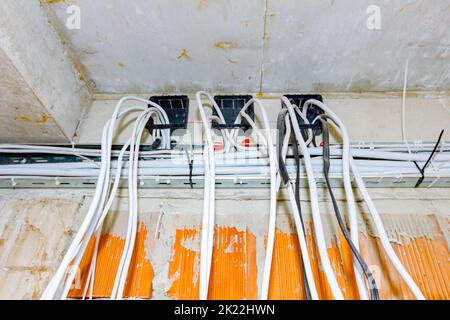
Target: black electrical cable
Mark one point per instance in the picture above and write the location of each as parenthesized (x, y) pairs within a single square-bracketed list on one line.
[(191, 168), (422, 170), (281, 129), (326, 168)]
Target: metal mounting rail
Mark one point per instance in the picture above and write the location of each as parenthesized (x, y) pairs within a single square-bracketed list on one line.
[(183, 182), (165, 182)]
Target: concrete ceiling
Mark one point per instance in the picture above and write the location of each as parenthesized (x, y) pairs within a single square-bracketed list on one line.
[(257, 45)]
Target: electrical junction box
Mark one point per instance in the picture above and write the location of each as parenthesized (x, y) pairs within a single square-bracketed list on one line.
[(313, 111), (230, 106), (177, 109)]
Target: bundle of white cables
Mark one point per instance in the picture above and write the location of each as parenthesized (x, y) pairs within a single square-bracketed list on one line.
[(257, 159), (60, 284), (347, 163), (207, 235)]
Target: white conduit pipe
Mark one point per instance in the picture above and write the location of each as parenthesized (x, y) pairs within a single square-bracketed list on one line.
[(374, 213), (317, 221)]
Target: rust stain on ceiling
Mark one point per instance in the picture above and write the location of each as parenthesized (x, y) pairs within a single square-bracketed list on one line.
[(184, 55), (225, 44), (43, 119)]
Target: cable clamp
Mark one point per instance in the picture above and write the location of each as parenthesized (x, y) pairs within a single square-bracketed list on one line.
[(409, 150), (191, 167), (418, 146)]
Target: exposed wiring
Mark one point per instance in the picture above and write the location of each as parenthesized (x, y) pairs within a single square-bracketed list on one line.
[(60, 284), (267, 138), (372, 209), (255, 161), (317, 221), (326, 168), (282, 123), (351, 204), (207, 239), (422, 170)]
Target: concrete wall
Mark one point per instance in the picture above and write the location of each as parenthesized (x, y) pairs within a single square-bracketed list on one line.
[(259, 45), (368, 117), (44, 72), (22, 115)]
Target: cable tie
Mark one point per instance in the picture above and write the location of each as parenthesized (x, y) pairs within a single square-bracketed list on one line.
[(434, 181), (191, 167), (418, 144), (409, 149), (380, 178), (429, 160)]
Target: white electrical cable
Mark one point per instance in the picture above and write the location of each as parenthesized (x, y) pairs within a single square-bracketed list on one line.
[(273, 191), (298, 223), (353, 219), (244, 164), (208, 203), (90, 231), (146, 167), (388, 152), (208, 216), (372, 209), (369, 169), (317, 221), (124, 264), (94, 210)]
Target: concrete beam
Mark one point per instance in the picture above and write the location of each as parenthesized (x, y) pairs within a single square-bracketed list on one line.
[(45, 74)]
